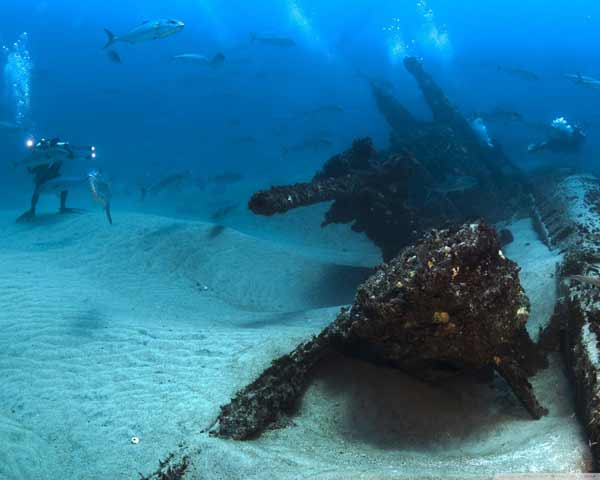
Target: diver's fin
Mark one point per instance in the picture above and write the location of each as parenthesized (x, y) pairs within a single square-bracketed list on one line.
[(143, 192), (112, 38), (108, 215)]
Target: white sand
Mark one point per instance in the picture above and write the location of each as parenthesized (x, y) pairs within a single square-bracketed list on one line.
[(145, 328)]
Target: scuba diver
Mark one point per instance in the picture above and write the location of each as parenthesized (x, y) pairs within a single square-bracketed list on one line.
[(44, 162), (564, 138)]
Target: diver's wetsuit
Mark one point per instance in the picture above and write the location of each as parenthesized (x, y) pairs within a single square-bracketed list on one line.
[(43, 174), (561, 143)]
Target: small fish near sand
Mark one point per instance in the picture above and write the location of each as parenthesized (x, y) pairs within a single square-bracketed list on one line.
[(223, 212), (147, 31), (273, 41), (197, 59), (519, 73)]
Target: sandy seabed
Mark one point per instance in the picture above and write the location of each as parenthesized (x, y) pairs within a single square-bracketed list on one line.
[(146, 327)]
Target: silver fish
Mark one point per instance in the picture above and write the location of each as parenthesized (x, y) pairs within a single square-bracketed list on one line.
[(197, 59), (60, 184), (584, 81), (147, 31), (101, 191), (9, 127)]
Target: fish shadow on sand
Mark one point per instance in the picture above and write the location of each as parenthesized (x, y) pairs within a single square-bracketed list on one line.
[(215, 231), (389, 409), (86, 323), (283, 318)]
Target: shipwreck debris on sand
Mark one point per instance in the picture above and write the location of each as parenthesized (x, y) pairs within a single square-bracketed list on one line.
[(451, 302), (394, 196), (567, 216)]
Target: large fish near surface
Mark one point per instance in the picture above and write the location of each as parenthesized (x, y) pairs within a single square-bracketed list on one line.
[(282, 42), (150, 30), (583, 80), (197, 59)]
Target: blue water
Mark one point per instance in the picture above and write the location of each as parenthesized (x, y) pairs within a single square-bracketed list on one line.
[(149, 114), (149, 117)]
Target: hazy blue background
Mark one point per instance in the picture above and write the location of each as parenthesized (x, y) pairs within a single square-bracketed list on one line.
[(150, 116)]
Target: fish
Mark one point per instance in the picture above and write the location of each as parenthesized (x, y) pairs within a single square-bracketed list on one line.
[(197, 59), (519, 73), (60, 184), (176, 179), (93, 182), (274, 41), (223, 212), (585, 279), (101, 191), (312, 144), (10, 127), (500, 115), (114, 56), (149, 30), (584, 81), (455, 183)]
